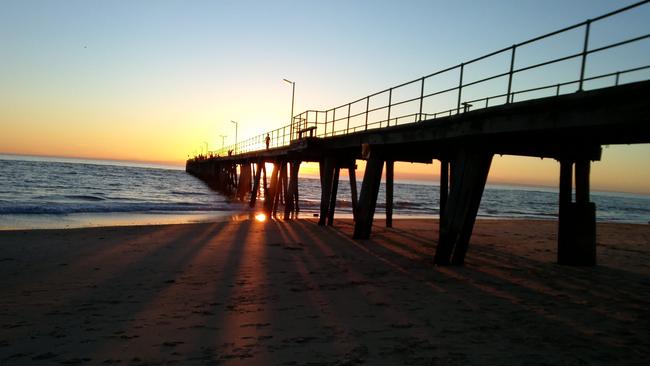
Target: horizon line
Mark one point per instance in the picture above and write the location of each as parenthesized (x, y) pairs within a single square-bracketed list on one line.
[(171, 166)]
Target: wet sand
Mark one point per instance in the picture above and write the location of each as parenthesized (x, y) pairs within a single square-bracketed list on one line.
[(294, 293)]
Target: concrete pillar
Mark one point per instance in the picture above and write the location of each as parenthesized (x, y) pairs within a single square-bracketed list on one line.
[(264, 186), (280, 186), (326, 167), (332, 204), (256, 184), (244, 185), (582, 170), (390, 174), (470, 171), (444, 191), (368, 198), (294, 172), (353, 189), (269, 201), (577, 220), (288, 198)]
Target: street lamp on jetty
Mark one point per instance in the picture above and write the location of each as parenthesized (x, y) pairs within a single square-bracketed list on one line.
[(236, 128), (293, 93)]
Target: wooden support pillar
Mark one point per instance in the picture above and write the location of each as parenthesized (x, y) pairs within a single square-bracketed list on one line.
[(326, 167), (295, 191), (265, 186), (252, 173), (353, 189), (235, 181), (469, 174), (335, 188), (566, 183), (256, 184), (281, 184), (368, 198), (217, 177), (280, 187), (244, 185), (478, 178), (444, 192), (564, 224), (390, 174), (288, 196), (577, 220), (269, 201), (582, 168)]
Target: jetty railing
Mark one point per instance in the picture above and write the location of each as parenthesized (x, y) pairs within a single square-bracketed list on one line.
[(466, 86)]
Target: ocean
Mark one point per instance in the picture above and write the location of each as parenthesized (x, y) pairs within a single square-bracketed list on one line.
[(51, 193)]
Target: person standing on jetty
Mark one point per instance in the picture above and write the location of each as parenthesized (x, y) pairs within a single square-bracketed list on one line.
[(267, 140)]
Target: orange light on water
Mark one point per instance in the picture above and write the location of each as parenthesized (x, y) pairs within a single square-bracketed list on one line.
[(260, 217)]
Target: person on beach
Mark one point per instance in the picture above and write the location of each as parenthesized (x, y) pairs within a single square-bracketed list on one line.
[(267, 140)]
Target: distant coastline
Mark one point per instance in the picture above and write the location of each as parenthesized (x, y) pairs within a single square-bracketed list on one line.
[(82, 160)]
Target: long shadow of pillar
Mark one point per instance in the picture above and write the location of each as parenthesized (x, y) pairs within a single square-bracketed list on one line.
[(469, 172)]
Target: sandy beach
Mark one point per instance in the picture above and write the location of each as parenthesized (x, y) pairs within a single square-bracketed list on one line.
[(294, 293)]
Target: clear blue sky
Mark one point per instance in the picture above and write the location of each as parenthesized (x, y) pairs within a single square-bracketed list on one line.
[(152, 80)]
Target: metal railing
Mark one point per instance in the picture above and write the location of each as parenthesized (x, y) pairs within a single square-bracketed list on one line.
[(415, 101)]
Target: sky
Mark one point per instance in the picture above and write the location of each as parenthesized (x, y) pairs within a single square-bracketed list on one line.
[(156, 81)]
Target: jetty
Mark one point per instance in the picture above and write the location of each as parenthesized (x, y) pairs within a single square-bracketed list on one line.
[(463, 124)]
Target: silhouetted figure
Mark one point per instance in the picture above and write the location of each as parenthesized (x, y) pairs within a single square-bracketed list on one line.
[(229, 152), (267, 140)]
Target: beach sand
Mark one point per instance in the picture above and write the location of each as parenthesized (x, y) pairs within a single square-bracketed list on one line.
[(294, 293)]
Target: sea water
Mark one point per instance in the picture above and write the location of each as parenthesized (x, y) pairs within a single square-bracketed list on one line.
[(50, 193)]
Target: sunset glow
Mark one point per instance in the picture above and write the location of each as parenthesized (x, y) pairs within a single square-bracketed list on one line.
[(128, 83)]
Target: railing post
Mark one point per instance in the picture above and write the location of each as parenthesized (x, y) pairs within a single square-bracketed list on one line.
[(333, 120), (347, 130), (618, 74), (584, 54), (291, 130), (460, 87), (390, 100), (421, 100), (510, 74), (367, 109)]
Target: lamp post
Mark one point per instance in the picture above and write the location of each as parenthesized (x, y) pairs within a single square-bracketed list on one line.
[(236, 128), (293, 93)]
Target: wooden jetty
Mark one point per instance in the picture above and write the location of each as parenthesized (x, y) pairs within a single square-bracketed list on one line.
[(569, 127)]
